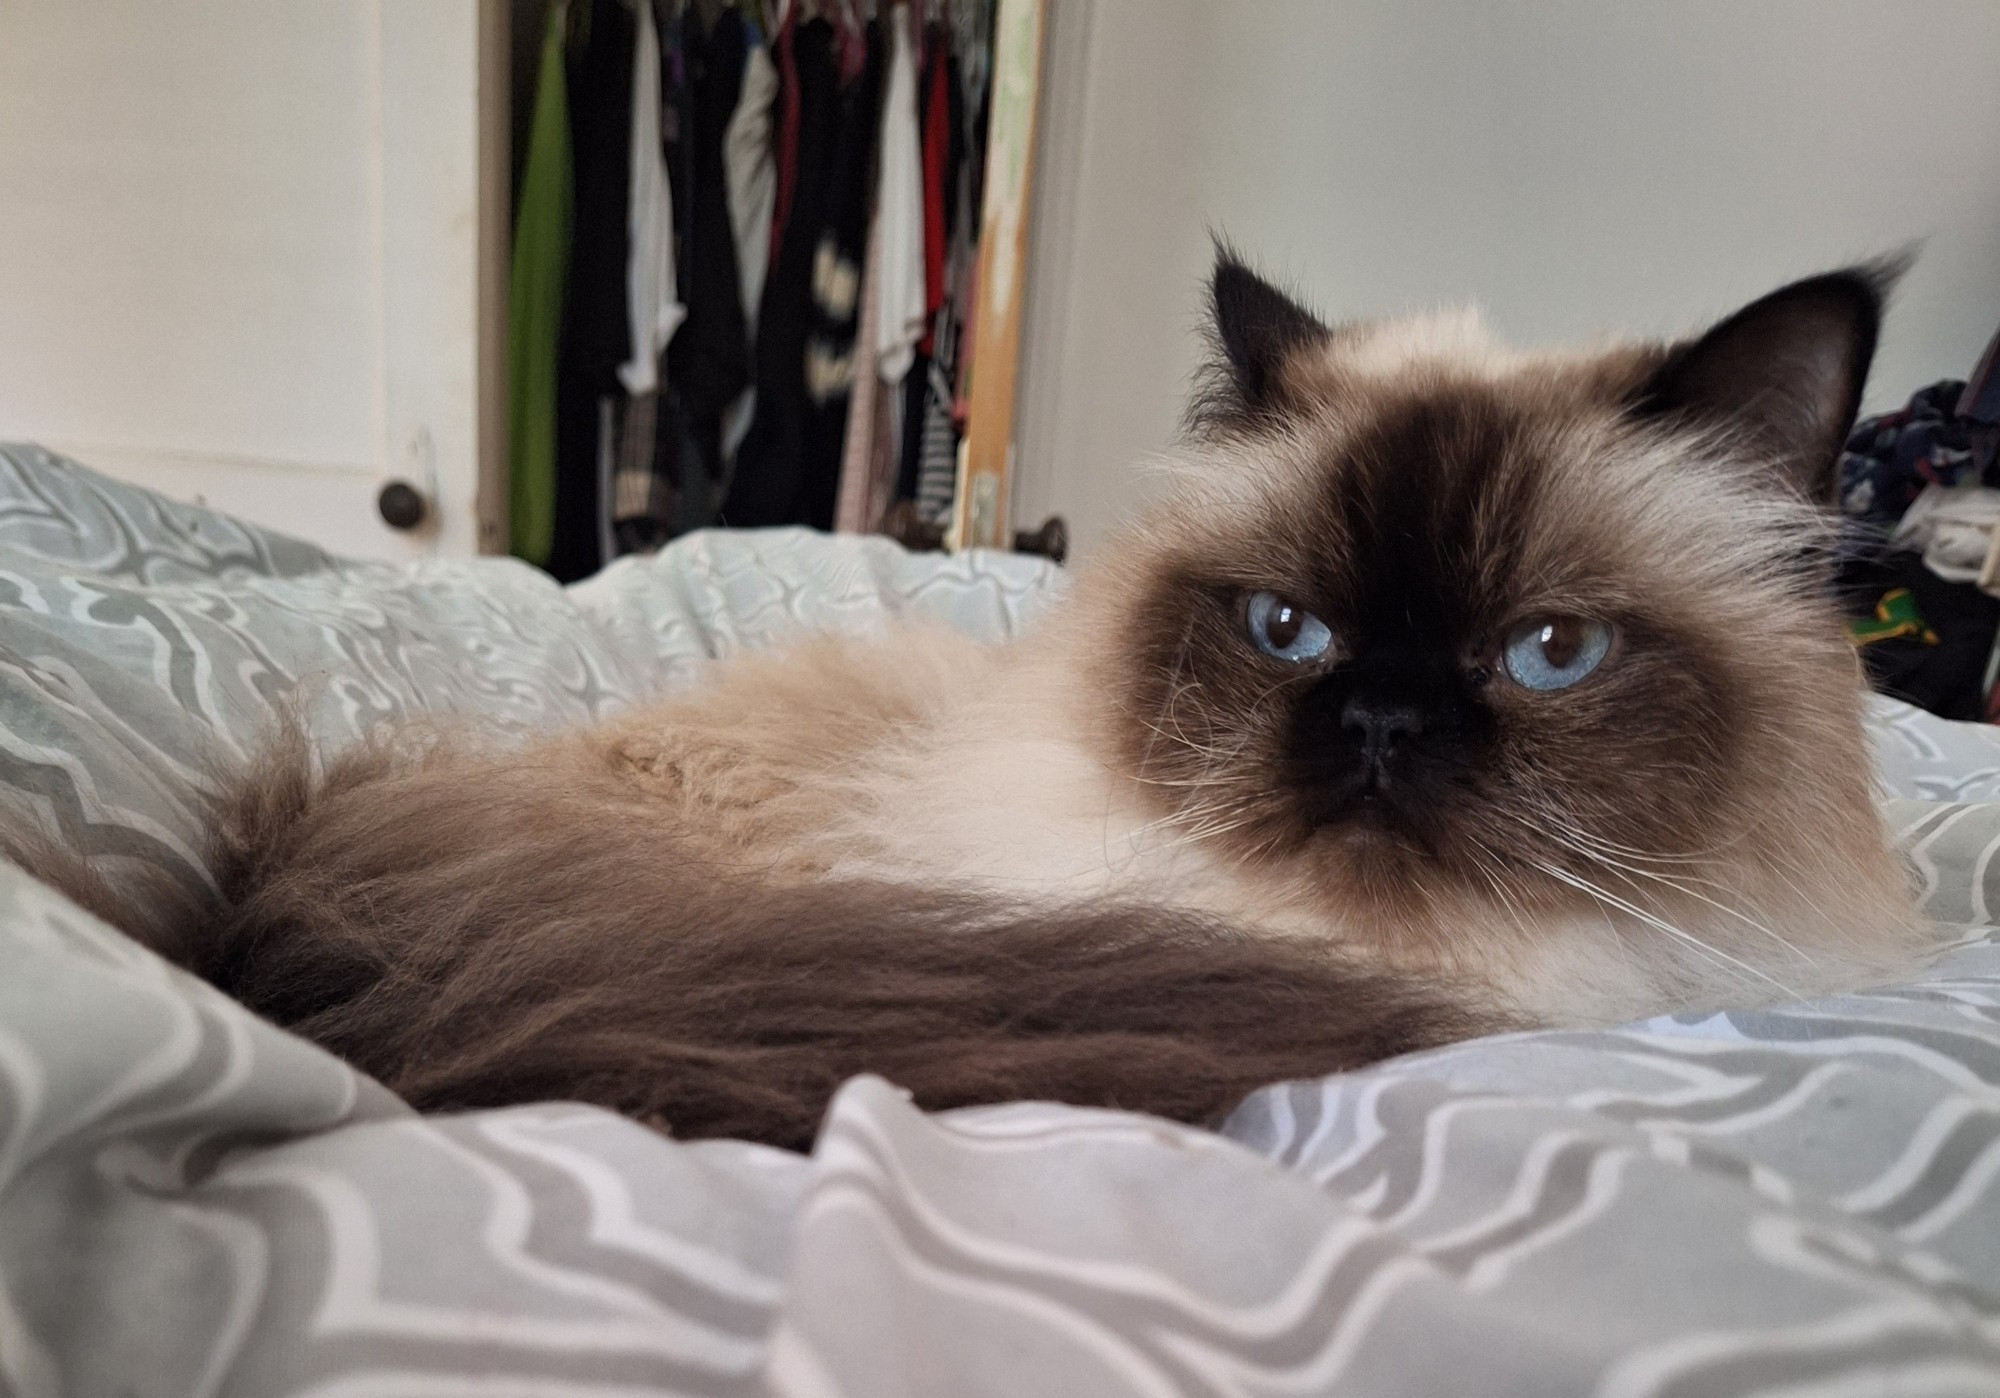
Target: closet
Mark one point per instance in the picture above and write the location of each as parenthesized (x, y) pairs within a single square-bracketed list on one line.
[(767, 269)]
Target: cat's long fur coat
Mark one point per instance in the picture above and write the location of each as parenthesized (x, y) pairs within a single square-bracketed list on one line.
[(1140, 857)]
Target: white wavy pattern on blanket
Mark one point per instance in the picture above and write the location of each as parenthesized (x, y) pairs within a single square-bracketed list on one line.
[(142, 641), (1800, 1199)]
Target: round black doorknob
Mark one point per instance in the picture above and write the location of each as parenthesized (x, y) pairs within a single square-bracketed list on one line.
[(401, 505), (1051, 541)]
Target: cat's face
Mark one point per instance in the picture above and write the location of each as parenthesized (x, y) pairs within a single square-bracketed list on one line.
[(1430, 625)]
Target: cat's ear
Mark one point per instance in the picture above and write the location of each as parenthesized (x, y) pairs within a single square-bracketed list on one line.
[(1254, 329), (1785, 372)]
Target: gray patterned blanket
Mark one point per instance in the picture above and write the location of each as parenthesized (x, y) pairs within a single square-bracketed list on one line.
[(1798, 1200)]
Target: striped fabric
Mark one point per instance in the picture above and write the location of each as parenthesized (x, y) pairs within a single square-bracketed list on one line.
[(1802, 1199)]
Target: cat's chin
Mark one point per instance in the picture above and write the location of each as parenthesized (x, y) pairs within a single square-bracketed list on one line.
[(1372, 826), (1381, 849)]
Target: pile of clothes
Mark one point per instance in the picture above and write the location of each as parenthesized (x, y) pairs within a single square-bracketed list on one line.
[(743, 264), (1920, 490)]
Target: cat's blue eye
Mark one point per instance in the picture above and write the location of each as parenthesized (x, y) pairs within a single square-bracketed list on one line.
[(1283, 630), (1555, 652)]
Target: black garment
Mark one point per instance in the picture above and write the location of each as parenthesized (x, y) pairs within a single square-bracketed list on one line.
[(765, 487), (915, 393), (708, 360), (975, 107), (788, 467), (1944, 678), (955, 151), (597, 329), (838, 257)]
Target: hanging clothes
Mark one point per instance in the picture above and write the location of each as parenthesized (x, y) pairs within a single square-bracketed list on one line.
[(928, 473), (640, 500), (652, 288), (838, 254), (708, 363), (944, 157), (788, 467), (785, 143), (934, 429), (764, 489), (900, 290), (855, 510), (646, 505), (972, 48), (535, 305), (752, 170), (597, 328)]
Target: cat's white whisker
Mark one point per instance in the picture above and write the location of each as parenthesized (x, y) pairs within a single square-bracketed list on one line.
[(1491, 869), (1658, 923), (1184, 783), (1693, 856), (1581, 843), (1686, 890)]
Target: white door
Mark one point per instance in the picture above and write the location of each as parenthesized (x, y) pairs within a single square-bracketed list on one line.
[(252, 253)]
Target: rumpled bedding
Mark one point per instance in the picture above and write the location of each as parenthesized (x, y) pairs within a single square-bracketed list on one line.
[(1798, 1199)]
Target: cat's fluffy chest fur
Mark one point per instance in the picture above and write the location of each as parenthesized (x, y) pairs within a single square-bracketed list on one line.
[(930, 758)]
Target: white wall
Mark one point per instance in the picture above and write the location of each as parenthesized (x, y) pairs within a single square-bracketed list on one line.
[(240, 251), (1575, 166)]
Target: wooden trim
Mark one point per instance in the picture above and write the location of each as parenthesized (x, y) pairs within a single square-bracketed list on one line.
[(981, 515)]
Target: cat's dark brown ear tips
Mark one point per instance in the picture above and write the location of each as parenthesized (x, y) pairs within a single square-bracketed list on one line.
[(1786, 372), (1254, 329)]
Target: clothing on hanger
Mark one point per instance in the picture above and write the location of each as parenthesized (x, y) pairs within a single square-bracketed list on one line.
[(751, 164), (785, 143), (943, 151), (851, 45), (708, 363), (766, 308), (765, 485), (856, 509), (597, 329), (652, 287), (928, 469), (900, 291), (838, 254), (535, 280), (931, 447)]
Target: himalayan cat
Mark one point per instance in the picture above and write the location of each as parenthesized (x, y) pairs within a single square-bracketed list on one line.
[(1450, 690)]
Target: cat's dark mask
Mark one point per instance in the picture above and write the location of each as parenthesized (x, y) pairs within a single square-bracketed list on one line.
[(1425, 604)]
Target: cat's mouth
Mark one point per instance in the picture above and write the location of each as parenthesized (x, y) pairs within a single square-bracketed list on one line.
[(1370, 805)]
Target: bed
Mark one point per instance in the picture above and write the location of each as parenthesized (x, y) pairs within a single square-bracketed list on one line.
[(1798, 1199)]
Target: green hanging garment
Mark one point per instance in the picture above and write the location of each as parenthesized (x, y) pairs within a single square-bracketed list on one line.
[(535, 306)]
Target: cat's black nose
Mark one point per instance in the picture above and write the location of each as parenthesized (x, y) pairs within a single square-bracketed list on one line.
[(1381, 723)]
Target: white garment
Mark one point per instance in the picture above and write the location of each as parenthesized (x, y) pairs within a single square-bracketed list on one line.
[(1952, 526), (652, 295), (751, 168), (899, 310)]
